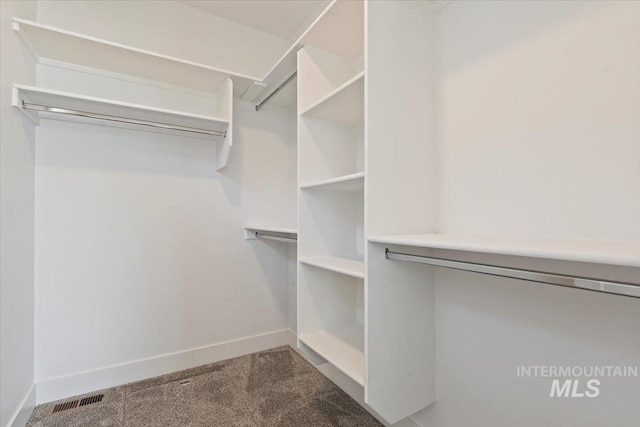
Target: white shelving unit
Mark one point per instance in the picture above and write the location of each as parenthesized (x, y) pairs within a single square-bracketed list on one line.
[(331, 176), (343, 105), (52, 104)]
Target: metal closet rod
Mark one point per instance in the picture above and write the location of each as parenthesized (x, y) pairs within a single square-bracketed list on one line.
[(586, 283), (276, 90), (268, 236), (46, 108)]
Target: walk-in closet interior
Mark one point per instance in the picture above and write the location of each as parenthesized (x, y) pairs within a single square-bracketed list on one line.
[(320, 213)]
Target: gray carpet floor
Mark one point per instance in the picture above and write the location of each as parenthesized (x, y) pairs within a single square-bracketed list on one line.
[(271, 388)]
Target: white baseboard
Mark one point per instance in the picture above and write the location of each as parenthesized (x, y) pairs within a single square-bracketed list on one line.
[(23, 412), (292, 339), (85, 382)]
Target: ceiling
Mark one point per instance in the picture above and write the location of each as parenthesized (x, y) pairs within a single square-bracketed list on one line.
[(282, 18)]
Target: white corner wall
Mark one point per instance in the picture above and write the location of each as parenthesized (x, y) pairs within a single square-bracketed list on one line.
[(17, 136), (170, 28), (141, 262), (538, 112)]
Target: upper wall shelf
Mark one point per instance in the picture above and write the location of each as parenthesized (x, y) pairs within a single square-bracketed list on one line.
[(37, 102), (62, 45), (592, 251), (344, 105)]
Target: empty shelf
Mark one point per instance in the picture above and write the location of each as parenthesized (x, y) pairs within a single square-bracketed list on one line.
[(62, 45), (593, 251), (353, 182), (345, 104), (343, 348), (345, 266)]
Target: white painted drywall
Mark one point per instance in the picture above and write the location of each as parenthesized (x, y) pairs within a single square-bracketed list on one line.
[(16, 221), (538, 113), (170, 28), (538, 118), (140, 246)]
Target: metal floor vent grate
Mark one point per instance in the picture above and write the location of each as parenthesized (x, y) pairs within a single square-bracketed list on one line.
[(77, 403), (65, 406)]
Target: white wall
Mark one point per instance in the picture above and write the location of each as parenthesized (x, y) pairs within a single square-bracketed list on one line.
[(539, 119), (140, 248), (170, 28), (16, 221), (538, 112)]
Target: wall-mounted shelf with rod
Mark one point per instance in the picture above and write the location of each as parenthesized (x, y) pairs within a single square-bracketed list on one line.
[(279, 234), (592, 251), (584, 283), (38, 102)]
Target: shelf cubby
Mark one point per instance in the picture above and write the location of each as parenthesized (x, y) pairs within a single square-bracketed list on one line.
[(329, 150), (331, 318), (345, 104), (342, 347), (331, 223)]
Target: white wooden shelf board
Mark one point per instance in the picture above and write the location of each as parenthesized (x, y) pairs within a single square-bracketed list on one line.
[(345, 104), (62, 45), (66, 100), (593, 251), (343, 348), (350, 183), (340, 265), (271, 229)]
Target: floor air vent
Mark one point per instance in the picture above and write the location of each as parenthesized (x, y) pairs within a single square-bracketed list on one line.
[(91, 400), (77, 403), (65, 406)]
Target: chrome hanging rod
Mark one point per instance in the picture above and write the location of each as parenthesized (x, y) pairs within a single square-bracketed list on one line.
[(268, 236), (590, 284), (48, 109), (276, 90)]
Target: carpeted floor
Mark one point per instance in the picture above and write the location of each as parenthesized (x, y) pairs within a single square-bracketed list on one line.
[(271, 388)]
